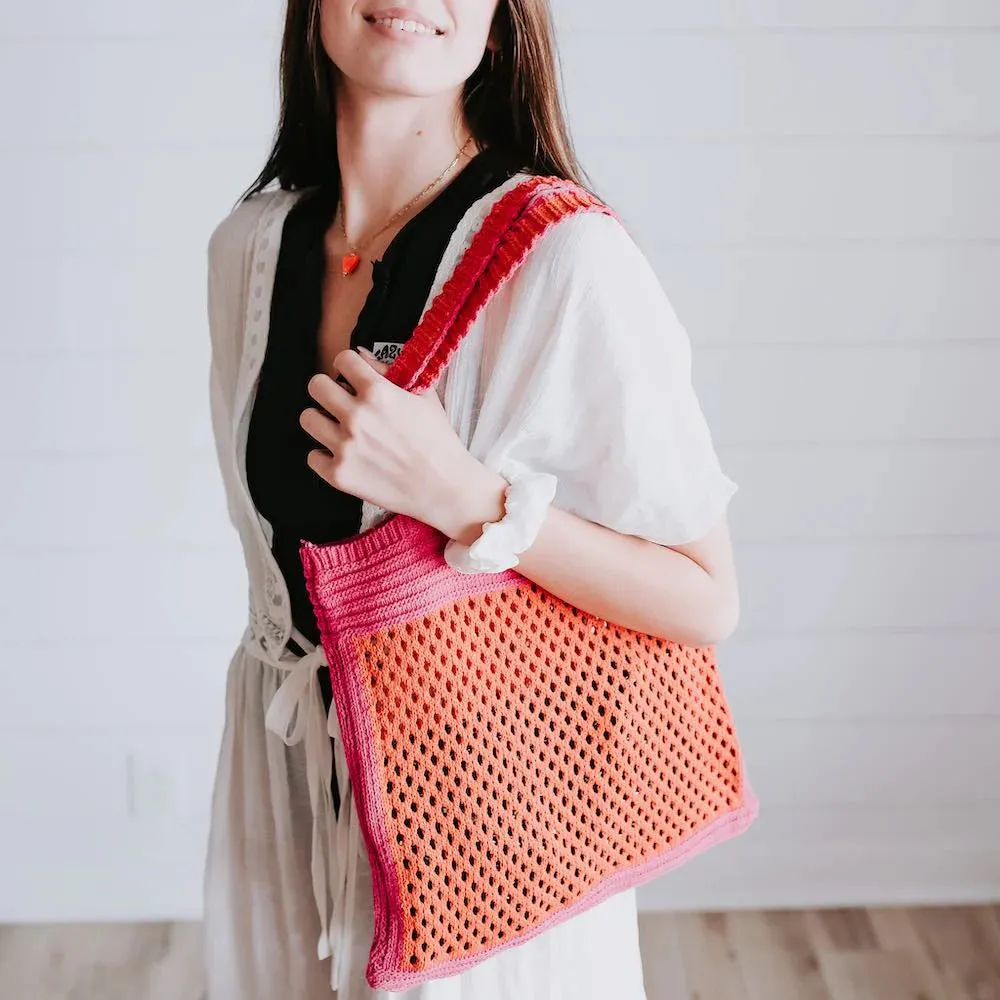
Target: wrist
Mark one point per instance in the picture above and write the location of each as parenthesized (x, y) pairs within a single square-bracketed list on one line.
[(479, 500), (499, 544)]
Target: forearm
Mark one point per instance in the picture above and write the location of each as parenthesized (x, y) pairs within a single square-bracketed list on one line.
[(687, 595), (630, 581)]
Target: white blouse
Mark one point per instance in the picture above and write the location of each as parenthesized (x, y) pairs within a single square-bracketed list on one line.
[(578, 368)]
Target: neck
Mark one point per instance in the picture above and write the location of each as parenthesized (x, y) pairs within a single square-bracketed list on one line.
[(389, 149)]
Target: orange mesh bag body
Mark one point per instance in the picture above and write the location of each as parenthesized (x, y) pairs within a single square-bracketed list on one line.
[(514, 759)]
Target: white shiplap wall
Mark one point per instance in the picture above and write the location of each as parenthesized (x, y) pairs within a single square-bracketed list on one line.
[(816, 182)]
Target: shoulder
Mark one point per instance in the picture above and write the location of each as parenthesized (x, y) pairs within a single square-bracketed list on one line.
[(593, 244), (591, 254), (597, 290), (232, 237)]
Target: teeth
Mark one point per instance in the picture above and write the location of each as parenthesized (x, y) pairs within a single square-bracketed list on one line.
[(414, 27)]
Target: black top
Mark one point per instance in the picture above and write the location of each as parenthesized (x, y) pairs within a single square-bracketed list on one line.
[(294, 499)]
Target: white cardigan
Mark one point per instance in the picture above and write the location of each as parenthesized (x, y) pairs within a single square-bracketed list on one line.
[(578, 368)]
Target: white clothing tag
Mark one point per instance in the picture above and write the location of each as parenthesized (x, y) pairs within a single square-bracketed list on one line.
[(386, 351)]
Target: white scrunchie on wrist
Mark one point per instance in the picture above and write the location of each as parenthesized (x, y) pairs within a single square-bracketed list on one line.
[(528, 498)]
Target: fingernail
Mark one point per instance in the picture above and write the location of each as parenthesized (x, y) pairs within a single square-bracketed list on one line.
[(366, 353)]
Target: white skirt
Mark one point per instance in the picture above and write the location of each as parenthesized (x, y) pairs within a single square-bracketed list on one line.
[(261, 921)]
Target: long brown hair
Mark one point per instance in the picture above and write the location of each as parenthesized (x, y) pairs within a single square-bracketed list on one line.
[(511, 102)]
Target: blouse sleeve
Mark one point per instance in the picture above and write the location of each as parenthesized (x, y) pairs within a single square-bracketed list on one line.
[(587, 376)]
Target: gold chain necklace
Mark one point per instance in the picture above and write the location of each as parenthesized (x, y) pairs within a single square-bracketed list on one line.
[(349, 261)]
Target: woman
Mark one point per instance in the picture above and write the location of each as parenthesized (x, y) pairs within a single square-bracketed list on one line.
[(400, 128)]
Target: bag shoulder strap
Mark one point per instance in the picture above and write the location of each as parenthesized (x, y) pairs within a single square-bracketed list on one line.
[(514, 225)]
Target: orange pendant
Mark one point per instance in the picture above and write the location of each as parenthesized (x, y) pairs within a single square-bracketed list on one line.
[(349, 263)]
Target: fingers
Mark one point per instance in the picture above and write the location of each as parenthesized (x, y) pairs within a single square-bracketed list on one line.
[(324, 465), (334, 398), (380, 366), (357, 370), (332, 469), (324, 429)]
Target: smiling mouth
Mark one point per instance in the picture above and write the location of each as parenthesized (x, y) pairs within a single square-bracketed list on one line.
[(401, 24)]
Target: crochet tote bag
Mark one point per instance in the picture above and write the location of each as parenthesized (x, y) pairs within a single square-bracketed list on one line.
[(514, 760)]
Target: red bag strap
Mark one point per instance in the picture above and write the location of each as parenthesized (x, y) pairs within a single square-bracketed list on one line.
[(514, 225)]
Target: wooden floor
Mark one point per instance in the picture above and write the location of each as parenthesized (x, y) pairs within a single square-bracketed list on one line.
[(923, 954)]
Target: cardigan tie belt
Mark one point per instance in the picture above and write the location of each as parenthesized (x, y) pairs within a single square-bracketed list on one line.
[(297, 714)]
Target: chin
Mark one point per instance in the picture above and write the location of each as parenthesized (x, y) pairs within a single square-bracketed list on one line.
[(401, 80), (403, 76)]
